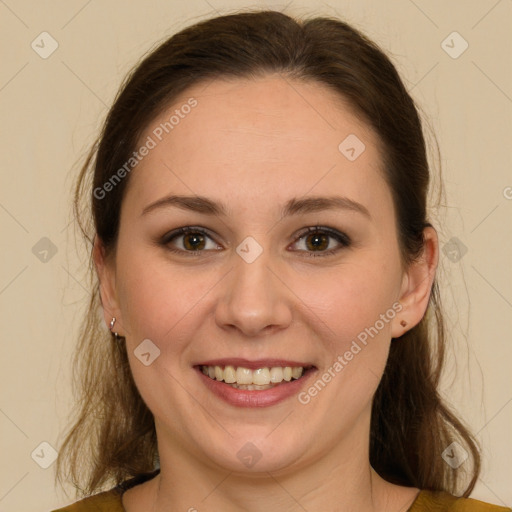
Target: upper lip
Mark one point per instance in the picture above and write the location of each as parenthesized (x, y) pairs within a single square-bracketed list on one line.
[(253, 365)]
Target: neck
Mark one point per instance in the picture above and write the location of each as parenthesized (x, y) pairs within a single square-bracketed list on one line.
[(340, 479), (232, 492)]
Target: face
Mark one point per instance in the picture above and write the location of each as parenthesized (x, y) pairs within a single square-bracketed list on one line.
[(275, 277)]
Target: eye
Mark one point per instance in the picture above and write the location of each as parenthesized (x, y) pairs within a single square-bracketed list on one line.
[(317, 239), (193, 241)]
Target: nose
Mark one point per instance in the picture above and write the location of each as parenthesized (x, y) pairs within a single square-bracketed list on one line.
[(254, 299)]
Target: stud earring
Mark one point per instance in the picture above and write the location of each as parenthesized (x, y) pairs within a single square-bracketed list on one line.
[(403, 323), (112, 322)]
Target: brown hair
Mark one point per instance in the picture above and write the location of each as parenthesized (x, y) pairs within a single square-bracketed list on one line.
[(114, 437)]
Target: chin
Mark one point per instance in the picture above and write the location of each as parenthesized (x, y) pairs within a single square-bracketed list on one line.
[(259, 450)]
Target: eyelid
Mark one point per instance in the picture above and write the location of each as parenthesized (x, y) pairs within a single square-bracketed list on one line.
[(342, 238), (339, 235), (176, 233)]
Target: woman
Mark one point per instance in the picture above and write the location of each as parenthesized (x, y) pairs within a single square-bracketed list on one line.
[(267, 271)]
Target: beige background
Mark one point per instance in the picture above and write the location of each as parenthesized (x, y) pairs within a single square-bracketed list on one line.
[(52, 108)]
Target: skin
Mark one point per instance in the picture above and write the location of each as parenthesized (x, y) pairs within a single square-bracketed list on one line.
[(253, 145)]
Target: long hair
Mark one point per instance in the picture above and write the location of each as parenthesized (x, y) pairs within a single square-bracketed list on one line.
[(112, 436)]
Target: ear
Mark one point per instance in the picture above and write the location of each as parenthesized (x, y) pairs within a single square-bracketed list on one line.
[(416, 285), (105, 269)]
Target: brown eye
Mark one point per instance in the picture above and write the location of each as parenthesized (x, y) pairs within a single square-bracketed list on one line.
[(317, 242), (318, 239), (193, 241)]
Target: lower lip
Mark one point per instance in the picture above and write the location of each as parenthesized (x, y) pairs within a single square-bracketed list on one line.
[(256, 398)]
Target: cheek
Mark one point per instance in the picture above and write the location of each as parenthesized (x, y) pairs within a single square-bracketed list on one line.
[(162, 303), (350, 298), (158, 299), (353, 311)]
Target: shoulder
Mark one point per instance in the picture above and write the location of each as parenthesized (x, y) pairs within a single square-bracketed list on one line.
[(108, 501), (438, 501)]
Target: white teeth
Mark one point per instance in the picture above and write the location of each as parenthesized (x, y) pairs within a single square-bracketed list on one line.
[(251, 387), (276, 374), (261, 378), (219, 374), (243, 376), (229, 375), (296, 372)]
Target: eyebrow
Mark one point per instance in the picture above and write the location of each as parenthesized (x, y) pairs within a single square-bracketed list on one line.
[(294, 206)]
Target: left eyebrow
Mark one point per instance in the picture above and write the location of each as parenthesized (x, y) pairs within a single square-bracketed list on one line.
[(294, 206), (316, 204)]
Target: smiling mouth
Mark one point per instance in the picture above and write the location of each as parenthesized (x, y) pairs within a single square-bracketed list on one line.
[(254, 380)]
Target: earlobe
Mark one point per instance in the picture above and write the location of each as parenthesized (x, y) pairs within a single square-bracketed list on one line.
[(107, 286), (417, 284)]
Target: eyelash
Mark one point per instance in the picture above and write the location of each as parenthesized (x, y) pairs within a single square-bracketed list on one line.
[(340, 237)]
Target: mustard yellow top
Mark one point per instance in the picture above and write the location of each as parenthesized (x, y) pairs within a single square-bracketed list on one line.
[(426, 501)]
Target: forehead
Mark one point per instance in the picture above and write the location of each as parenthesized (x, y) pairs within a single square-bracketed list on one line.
[(248, 139)]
